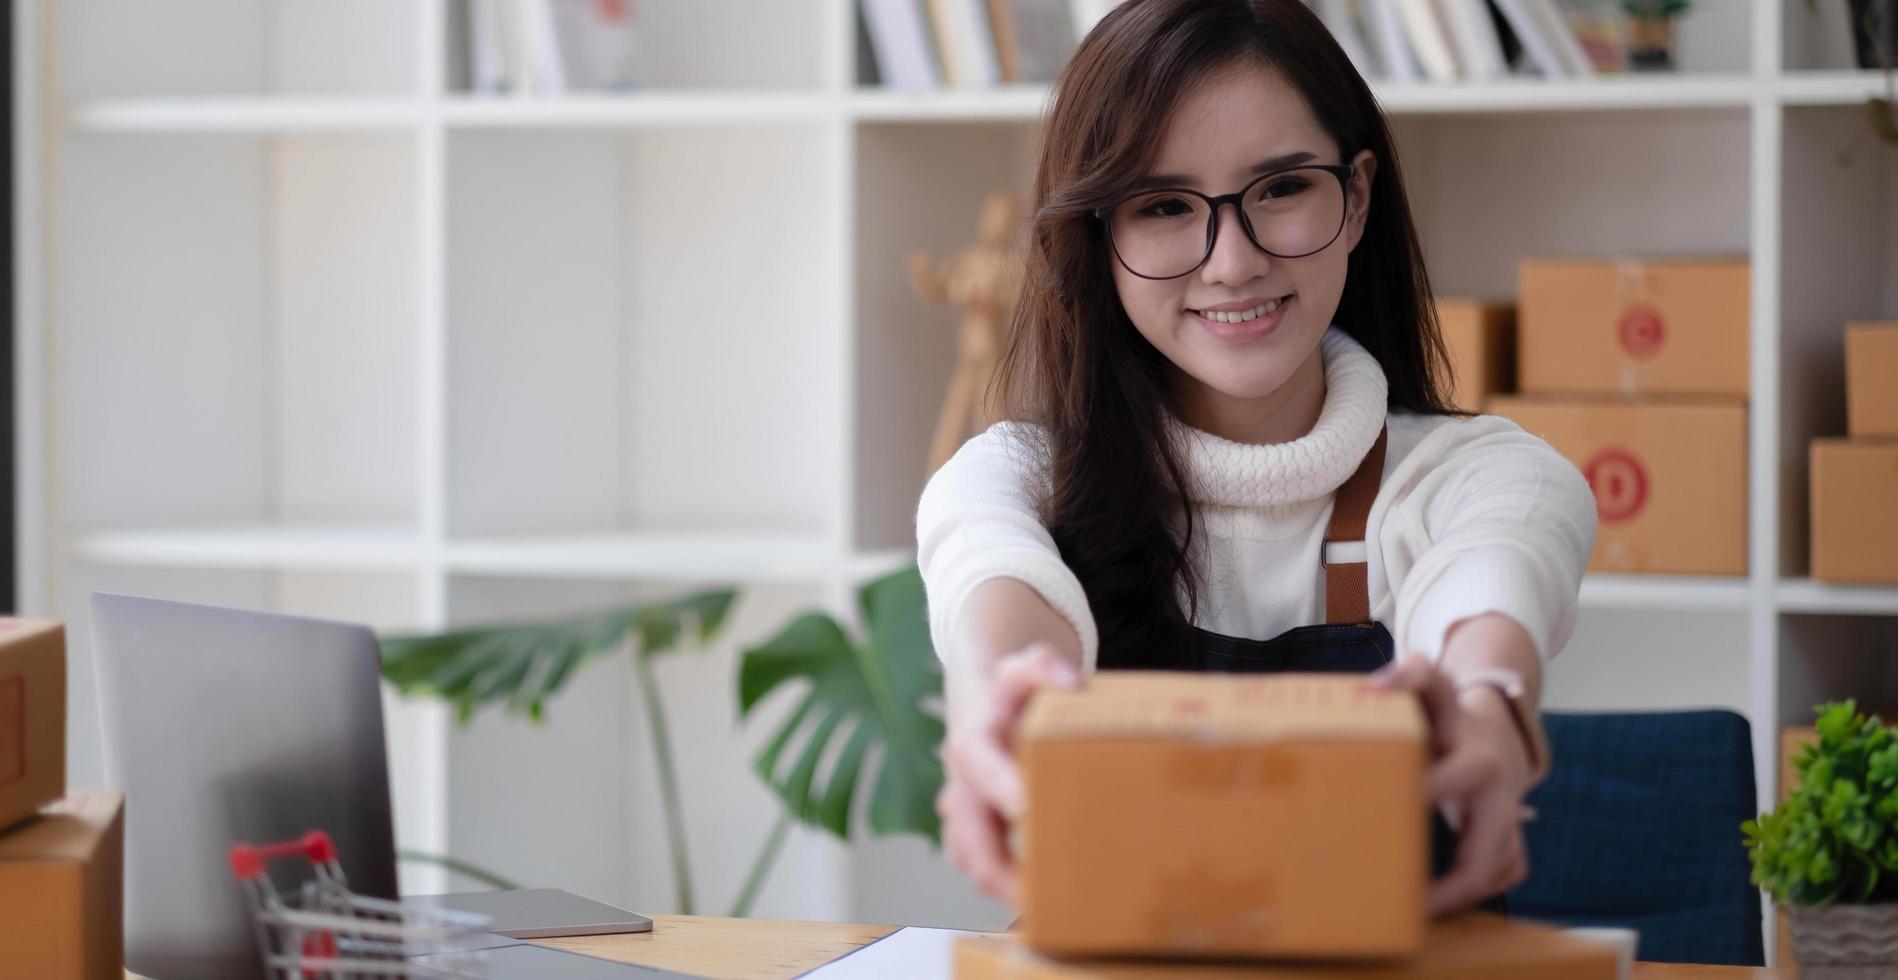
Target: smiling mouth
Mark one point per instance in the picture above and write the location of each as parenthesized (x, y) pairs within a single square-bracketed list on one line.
[(1241, 316)]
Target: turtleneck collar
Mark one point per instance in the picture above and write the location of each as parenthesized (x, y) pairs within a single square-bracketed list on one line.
[(1235, 474)]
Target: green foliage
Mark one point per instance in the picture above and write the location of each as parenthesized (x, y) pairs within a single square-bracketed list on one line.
[(522, 665), (856, 697), (869, 709), (1835, 839)]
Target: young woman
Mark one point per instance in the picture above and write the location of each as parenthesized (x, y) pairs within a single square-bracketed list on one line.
[(1228, 446)]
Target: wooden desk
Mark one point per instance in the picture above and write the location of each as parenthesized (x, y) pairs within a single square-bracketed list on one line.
[(764, 949)]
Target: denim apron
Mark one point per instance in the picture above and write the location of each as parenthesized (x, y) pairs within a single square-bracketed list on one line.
[(1349, 641)]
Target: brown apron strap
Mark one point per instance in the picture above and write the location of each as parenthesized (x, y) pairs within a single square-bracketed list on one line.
[(1347, 585)]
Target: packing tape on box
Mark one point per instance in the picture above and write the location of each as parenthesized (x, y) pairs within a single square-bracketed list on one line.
[(1631, 277)]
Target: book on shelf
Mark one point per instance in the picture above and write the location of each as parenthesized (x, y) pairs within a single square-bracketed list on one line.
[(1430, 37), (546, 73), (1341, 18), (1506, 37), (1548, 14), (1033, 38), (905, 50), (1534, 32), (485, 42), (595, 44), (1385, 27), (544, 47), (918, 45), (868, 73), (1469, 40), (1479, 50), (965, 42), (1007, 41)]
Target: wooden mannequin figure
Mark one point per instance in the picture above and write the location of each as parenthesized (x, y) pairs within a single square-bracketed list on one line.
[(982, 281)]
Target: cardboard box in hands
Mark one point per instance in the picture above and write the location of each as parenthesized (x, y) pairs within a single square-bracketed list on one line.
[(1215, 815)]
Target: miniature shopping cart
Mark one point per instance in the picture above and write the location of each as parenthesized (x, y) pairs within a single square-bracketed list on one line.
[(323, 931)]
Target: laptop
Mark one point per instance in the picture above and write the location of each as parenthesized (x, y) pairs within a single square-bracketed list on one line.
[(227, 725)]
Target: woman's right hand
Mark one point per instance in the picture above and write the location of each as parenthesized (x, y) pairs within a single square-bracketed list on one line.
[(982, 794)]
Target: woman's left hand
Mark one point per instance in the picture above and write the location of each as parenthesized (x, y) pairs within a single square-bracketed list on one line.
[(1482, 770)]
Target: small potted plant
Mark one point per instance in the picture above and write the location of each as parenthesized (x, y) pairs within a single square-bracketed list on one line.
[(1830, 851), (1651, 32)]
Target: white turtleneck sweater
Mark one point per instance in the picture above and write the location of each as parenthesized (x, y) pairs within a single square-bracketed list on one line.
[(1473, 515)]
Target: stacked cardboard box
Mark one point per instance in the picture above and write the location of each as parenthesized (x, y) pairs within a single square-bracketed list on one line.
[(1637, 371), (32, 717), (1855, 479), (1480, 337), (61, 897), (61, 857), (1240, 826)]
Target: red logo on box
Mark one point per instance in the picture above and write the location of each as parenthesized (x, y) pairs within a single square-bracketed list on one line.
[(12, 729), (1620, 483), (1643, 333)]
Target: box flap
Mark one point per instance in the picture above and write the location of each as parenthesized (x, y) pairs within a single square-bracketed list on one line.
[(69, 829), (1224, 707), (14, 629)]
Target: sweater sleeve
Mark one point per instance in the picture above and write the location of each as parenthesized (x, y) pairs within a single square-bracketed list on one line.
[(979, 519), (1506, 525)]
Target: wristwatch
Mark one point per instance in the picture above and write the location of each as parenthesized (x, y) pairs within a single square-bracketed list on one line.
[(1528, 721)]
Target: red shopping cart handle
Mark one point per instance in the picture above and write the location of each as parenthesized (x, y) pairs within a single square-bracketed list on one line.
[(248, 860)]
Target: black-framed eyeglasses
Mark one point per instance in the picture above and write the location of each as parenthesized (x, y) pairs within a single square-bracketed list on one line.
[(1169, 232)]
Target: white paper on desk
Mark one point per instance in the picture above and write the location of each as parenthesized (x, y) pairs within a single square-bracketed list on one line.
[(912, 952)]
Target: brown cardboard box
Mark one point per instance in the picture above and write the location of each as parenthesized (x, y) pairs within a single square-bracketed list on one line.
[(32, 716), (1633, 327), (1222, 815), (1481, 337), (1855, 511), (1669, 478), (1871, 380), (1469, 947), (61, 891)]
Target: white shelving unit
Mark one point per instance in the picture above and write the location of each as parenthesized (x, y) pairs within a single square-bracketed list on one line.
[(303, 329)]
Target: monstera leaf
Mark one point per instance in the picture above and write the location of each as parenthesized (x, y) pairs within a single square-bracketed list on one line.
[(853, 698), (522, 665)]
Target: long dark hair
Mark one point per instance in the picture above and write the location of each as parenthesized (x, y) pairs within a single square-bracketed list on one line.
[(1078, 368)]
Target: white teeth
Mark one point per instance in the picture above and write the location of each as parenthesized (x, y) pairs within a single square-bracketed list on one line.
[(1243, 315)]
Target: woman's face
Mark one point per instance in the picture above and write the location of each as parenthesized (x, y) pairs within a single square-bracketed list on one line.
[(1245, 322)]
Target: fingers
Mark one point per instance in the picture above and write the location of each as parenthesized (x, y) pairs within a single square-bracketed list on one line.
[(983, 795), (1490, 858), (985, 767), (1461, 774), (975, 836), (1019, 676), (1419, 675), (981, 751)]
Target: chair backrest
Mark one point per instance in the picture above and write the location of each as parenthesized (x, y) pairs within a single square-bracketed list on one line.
[(1638, 826)]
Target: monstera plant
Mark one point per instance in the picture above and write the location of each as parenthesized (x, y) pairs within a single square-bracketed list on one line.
[(855, 700)]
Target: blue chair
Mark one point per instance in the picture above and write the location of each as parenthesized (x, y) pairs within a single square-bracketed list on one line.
[(1638, 826)]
